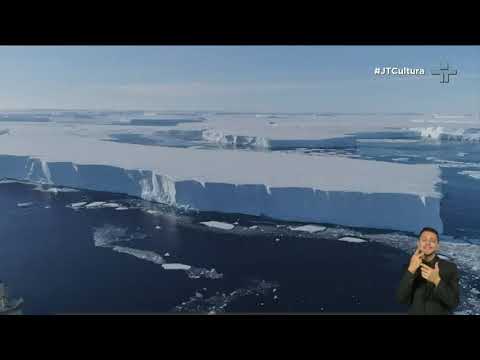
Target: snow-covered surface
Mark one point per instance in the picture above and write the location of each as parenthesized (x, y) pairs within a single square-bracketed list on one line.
[(282, 185), (54, 143), (218, 225)]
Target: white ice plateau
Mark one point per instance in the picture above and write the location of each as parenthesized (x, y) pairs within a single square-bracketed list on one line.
[(280, 185)]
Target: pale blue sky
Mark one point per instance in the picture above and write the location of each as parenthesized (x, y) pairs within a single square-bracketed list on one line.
[(240, 78)]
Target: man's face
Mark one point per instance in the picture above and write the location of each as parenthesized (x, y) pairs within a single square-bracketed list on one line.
[(428, 243)]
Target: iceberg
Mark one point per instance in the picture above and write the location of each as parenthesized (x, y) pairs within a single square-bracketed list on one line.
[(442, 133), (218, 137), (280, 185)]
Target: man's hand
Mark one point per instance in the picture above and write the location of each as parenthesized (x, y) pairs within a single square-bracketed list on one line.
[(415, 261), (432, 275)]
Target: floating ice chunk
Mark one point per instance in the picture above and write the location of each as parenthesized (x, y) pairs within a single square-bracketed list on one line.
[(111, 205), (95, 204), (25, 204), (166, 254), (108, 234), (198, 295), (121, 208), (308, 228), (472, 174), (8, 181), (57, 190), (394, 141), (141, 254), (197, 273), (400, 159), (54, 190), (218, 225), (47, 206), (174, 266), (253, 227), (153, 212), (158, 227), (352, 239), (78, 204), (218, 302), (461, 154), (277, 240)]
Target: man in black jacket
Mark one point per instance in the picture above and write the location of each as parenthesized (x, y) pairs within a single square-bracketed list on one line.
[(429, 284)]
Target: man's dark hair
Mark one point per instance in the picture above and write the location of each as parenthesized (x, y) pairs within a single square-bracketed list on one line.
[(431, 230)]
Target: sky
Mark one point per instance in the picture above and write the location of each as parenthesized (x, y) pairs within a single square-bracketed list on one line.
[(237, 78)]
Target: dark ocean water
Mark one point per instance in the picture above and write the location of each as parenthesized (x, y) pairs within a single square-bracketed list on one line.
[(48, 257)]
